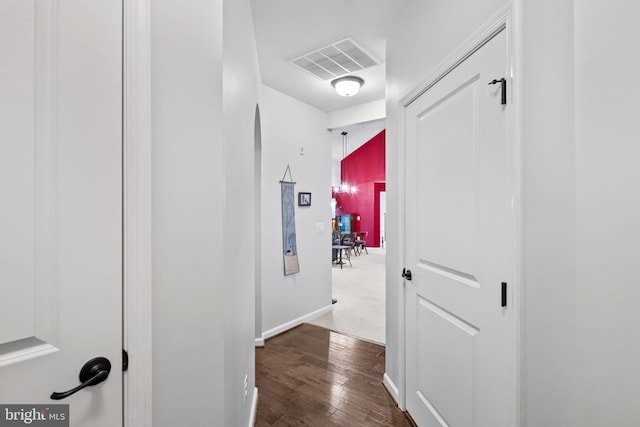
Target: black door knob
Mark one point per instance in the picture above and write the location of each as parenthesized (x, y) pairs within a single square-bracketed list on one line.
[(406, 274), (93, 372)]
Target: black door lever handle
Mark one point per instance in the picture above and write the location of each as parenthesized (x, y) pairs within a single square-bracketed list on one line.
[(93, 372)]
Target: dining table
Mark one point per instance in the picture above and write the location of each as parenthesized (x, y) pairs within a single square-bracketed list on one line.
[(340, 248)]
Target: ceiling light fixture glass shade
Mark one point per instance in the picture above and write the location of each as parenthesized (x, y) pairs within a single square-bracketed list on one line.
[(347, 85)]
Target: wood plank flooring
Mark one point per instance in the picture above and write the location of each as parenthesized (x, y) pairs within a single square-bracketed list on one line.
[(312, 376)]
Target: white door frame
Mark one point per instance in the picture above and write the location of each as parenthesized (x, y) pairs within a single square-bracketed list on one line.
[(137, 326), (503, 20)]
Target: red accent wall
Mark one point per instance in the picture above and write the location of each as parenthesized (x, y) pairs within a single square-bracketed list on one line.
[(365, 168)]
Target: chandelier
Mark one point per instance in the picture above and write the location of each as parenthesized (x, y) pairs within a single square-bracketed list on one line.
[(344, 187)]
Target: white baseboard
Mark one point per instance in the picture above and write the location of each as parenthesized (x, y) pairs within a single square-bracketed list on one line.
[(391, 388), (259, 342), (254, 407), (295, 322)]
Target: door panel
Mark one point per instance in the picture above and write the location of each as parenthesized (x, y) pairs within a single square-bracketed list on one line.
[(16, 115), (61, 216), (447, 197), (26, 183), (446, 381), (458, 237)]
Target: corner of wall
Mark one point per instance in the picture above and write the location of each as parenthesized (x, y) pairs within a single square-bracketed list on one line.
[(286, 125)]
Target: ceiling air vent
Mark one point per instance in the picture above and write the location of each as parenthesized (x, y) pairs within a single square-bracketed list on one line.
[(336, 60)]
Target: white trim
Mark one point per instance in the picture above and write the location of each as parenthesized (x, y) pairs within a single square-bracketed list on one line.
[(481, 36), (514, 28), (402, 295), (32, 352), (392, 389), (295, 322), (137, 320), (259, 342), (503, 20), (47, 284), (254, 407)]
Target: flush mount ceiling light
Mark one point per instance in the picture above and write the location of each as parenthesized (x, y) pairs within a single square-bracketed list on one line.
[(347, 85)]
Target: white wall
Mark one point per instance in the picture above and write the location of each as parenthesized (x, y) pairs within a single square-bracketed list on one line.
[(335, 172), (358, 134), (188, 172), (607, 131), (549, 205), (434, 29), (241, 82), (288, 124), (582, 200), (204, 95), (362, 113), (578, 102)]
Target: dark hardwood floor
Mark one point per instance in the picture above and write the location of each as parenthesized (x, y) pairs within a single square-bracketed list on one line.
[(312, 376)]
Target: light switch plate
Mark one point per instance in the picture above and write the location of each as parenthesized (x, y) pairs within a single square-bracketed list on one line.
[(319, 227)]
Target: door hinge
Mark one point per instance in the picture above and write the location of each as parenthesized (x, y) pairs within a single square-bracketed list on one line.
[(504, 294), (125, 360), (503, 84)]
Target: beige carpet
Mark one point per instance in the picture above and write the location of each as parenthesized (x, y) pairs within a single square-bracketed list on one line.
[(360, 291)]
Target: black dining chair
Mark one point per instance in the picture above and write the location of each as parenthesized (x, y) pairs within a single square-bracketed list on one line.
[(349, 239), (360, 243)]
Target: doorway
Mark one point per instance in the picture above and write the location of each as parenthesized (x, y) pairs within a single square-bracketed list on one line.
[(460, 316), (358, 284)]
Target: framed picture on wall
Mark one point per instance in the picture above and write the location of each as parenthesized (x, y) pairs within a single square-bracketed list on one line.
[(304, 199)]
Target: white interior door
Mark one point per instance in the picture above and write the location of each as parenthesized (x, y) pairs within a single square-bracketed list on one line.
[(61, 203), (458, 236)]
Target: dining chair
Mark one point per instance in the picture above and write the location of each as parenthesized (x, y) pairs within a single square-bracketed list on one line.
[(360, 243), (349, 239)]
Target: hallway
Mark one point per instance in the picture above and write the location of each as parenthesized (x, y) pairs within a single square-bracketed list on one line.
[(312, 376)]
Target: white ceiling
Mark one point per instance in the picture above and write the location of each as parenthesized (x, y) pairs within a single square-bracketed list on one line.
[(286, 29), (357, 135)]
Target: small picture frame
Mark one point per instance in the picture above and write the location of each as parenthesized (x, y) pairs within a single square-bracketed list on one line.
[(304, 199)]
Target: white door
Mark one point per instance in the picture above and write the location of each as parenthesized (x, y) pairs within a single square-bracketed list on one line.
[(458, 236), (61, 204)]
